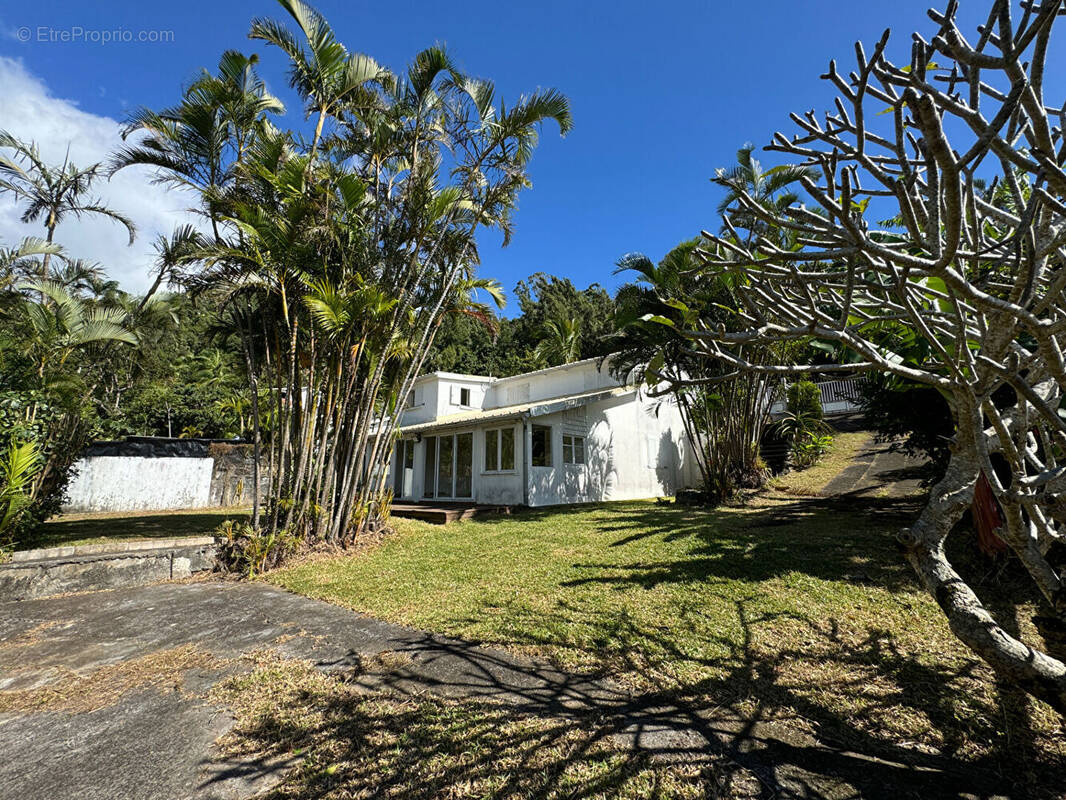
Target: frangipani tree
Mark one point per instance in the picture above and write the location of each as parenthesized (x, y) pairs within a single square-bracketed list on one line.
[(961, 149)]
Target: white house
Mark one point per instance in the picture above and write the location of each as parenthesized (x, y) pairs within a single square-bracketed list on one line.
[(567, 434)]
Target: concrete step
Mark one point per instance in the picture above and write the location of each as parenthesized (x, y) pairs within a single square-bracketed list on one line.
[(58, 570), (442, 514)]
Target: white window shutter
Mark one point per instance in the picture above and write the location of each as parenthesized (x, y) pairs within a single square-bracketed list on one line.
[(454, 395)]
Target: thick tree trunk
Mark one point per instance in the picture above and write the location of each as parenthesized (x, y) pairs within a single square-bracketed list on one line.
[(1037, 673)]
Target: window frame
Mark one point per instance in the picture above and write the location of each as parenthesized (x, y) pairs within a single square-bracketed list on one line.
[(498, 435), (577, 442), (464, 403)]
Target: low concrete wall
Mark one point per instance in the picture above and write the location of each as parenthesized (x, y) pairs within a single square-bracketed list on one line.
[(150, 475), (41, 573)]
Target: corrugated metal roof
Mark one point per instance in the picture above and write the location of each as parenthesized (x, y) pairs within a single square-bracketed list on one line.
[(536, 408)]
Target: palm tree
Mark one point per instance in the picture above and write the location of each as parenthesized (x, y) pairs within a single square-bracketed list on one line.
[(63, 323), (767, 187), (561, 343), (724, 413), (336, 258), (200, 143), (51, 193), (20, 261), (171, 254), (325, 74)]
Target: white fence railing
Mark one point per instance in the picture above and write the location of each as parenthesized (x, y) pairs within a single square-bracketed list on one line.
[(838, 397)]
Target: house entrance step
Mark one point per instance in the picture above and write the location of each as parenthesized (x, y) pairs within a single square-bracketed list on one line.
[(443, 513)]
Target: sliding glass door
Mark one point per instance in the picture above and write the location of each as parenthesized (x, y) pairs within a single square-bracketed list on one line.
[(449, 467), (404, 467), (464, 465)]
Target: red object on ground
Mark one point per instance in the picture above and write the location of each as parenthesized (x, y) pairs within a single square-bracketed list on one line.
[(987, 518)]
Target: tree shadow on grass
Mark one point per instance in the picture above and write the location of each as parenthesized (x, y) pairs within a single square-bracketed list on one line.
[(851, 540), (489, 725), (866, 694)]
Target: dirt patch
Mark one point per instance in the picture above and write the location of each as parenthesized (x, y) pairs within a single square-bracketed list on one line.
[(76, 694)]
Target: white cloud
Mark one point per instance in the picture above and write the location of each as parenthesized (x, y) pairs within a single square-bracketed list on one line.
[(31, 112)]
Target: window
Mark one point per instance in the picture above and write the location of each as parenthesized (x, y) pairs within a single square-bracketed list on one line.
[(459, 396), (492, 451), (507, 448), (573, 449), (410, 399), (499, 450), (541, 446), (404, 468)]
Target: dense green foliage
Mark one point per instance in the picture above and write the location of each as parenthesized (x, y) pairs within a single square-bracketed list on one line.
[(547, 307)]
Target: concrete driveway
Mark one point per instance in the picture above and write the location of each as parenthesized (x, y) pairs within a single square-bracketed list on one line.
[(164, 646)]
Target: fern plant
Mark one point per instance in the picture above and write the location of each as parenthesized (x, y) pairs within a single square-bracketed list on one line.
[(19, 467)]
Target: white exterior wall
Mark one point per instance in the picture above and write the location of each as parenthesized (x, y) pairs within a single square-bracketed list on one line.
[(135, 483), (630, 453), (582, 376)]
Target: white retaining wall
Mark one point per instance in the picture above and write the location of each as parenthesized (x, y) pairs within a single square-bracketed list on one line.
[(136, 483)]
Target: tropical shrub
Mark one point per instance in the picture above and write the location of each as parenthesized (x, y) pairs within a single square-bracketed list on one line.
[(805, 399), (250, 551), (19, 466)]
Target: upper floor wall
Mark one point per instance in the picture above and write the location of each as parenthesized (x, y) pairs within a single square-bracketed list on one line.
[(547, 384), (441, 394)]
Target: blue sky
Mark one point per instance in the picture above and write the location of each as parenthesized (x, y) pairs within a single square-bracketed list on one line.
[(662, 93)]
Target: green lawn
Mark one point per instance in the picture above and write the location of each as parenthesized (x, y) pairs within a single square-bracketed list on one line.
[(101, 528), (785, 607)]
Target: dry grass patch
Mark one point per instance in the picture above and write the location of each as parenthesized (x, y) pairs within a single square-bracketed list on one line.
[(75, 694)]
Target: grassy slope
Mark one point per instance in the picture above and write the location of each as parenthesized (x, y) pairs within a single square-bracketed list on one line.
[(796, 607), (812, 480)]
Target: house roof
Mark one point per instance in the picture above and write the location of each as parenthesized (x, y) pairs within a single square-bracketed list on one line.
[(521, 376), (536, 408), (456, 376)]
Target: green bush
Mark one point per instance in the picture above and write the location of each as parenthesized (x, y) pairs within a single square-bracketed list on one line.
[(18, 468), (805, 399)]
